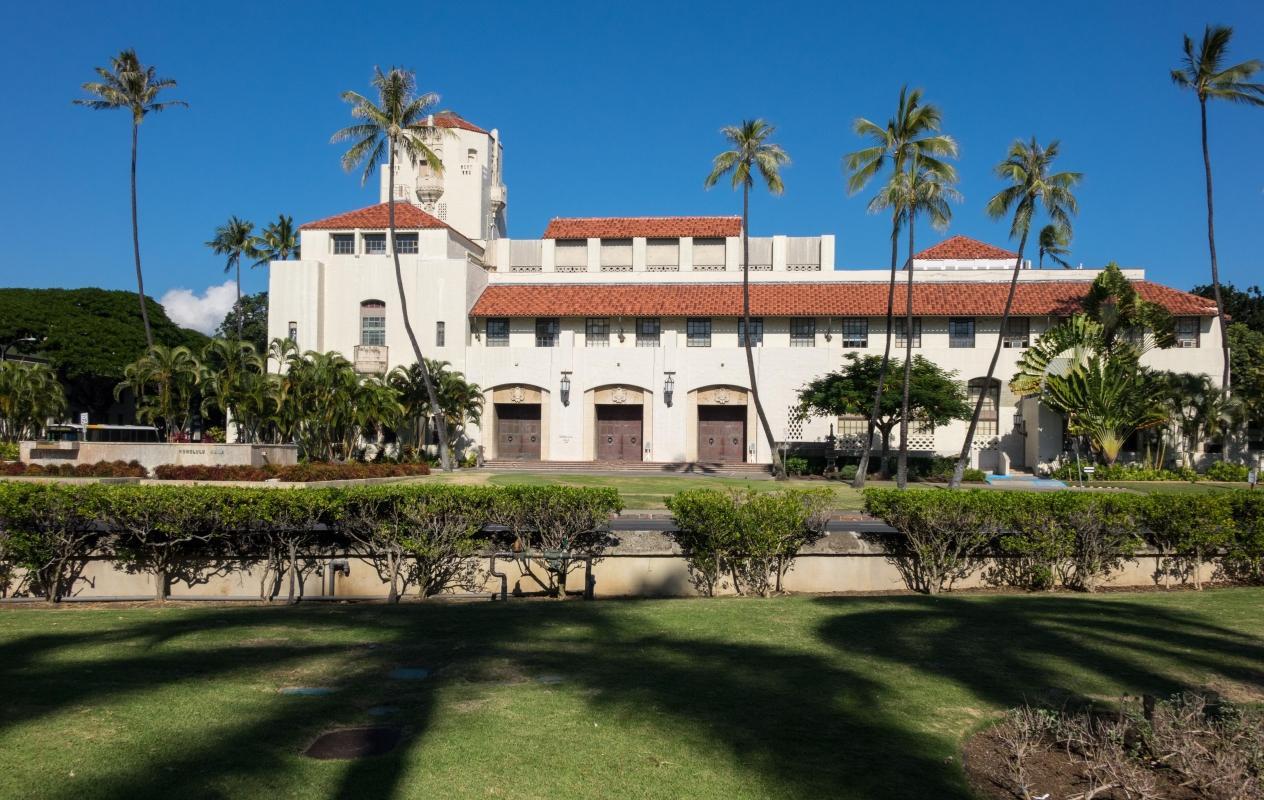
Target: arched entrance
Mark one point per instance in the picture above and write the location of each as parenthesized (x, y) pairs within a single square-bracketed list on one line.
[(721, 423), (520, 424), (619, 418)]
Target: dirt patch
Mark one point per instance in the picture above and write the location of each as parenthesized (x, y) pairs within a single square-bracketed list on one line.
[(349, 743)]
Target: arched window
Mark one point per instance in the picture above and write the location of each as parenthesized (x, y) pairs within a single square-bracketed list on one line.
[(989, 417), (373, 322)]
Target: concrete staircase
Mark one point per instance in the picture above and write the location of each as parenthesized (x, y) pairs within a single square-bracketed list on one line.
[(633, 468)]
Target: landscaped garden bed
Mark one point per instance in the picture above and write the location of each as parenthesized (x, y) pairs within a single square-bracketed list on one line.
[(101, 469), (294, 473)]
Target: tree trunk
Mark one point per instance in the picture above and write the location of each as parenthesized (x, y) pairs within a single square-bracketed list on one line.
[(160, 585), (901, 469), (958, 472), (140, 279), (863, 468), (1211, 245), (778, 469), (238, 306), (291, 599), (445, 458)]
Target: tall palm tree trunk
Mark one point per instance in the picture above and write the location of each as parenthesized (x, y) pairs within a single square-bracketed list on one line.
[(778, 470), (901, 470), (1211, 245), (140, 278), (445, 458), (959, 471), (863, 467), (238, 307)]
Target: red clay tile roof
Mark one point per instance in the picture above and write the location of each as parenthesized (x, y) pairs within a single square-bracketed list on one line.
[(407, 217), (962, 248), (956, 298), (448, 119), (628, 227)]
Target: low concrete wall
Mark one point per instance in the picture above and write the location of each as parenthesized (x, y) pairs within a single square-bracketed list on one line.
[(643, 564), (155, 454)]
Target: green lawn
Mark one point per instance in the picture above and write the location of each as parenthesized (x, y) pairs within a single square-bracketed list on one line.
[(860, 697)]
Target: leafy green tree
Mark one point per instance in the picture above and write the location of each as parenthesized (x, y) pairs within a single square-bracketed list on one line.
[(249, 316), (1247, 348), (1204, 72), (1027, 168), (398, 124), (129, 84), (164, 381), (935, 396), (29, 396), (228, 367), (1054, 241), (235, 239), (1198, 410), (278, 242), (460, 400), (912, 132), (1245, 306), (752, 153)]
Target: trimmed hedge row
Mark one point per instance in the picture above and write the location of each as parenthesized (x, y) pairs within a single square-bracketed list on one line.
[(1072, 539), (1224, 471), (422, 535), (296, 473), (101, 469)]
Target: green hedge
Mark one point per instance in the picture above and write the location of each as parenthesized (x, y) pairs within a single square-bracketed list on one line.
[(101, 469), (419, 535), (296, 473), (1040, 540)]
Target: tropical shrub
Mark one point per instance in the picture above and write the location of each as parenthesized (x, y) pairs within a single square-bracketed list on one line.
[(1187, 532), (101, 469), (49, 531), (750, 538), (1124, 472), (9, 451), (1244, 557), (795, 465), (1228, 472)]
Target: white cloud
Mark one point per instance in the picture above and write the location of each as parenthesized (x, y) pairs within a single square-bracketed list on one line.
[(200, 312)]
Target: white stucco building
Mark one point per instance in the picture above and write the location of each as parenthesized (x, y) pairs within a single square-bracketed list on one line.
[(616, 339)]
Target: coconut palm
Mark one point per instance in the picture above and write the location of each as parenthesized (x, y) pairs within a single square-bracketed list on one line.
[(163, 381), (130, 85), (278, 242), (752, 153), (1054, 242), (398, 124), (912, 131), (227, 370), (236, 240), (1033, 186), (1203, 72), (29, 395)]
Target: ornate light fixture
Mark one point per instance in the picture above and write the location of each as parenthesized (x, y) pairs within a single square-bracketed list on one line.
[(566, 388), (669, 388)]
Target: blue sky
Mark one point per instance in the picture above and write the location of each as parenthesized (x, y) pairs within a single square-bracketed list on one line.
[(611, 109)]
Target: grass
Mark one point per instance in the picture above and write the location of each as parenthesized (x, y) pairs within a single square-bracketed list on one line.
[(729, 699)]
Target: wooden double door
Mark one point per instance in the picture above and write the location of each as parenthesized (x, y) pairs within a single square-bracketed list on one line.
[(518, 431), (722, 434), (620, 432)]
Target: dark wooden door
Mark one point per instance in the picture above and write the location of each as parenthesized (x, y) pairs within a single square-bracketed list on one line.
[(722, 434), (518, 432), (619, 432)]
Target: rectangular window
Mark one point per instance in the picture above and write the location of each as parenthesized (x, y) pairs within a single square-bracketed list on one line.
[(855, 332), (900, 341), (756, 331), (1187, 331), (343, 243), (497, 332), (961, 332), (441, 335), (372, 323), (698, 330), (597, 332), (803, 332), (648, 331), (853, 426), (406, 243), (375, 244), (293, 332), (989, 417), (546, 331), (1017, 332)]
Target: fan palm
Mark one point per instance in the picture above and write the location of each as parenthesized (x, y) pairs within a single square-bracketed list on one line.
[(130, 85), (1054, 242), (1204, 72), (278, 242), (918, 189), (396, 125), (752, 152), (1033, 185), (236, 240), (911, 132)]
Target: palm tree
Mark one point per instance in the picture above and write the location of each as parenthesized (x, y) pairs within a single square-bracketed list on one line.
[(228, 367), (1054, 242), (1204, 73), (163, 381), (1032, 185), (397, 124), (278, 242), (912, 131), (131, 85), (919, 189), (752, 152), (235, 239)]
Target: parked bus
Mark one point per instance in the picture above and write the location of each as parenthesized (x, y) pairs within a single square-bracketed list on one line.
[(103, 433)]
